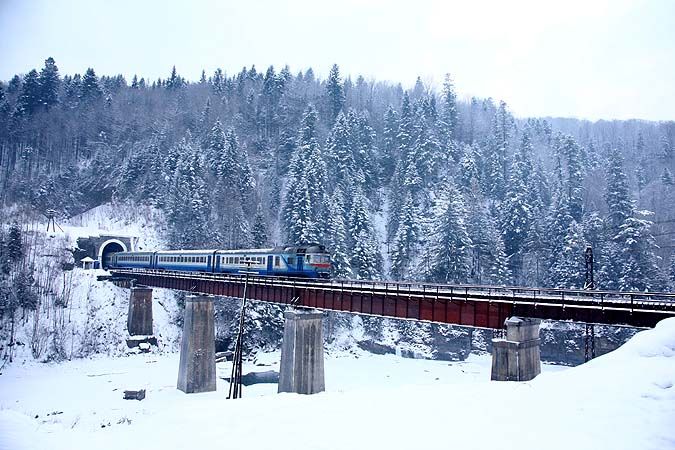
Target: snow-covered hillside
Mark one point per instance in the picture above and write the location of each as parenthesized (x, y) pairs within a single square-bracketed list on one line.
[(76, 315), (622, 400)]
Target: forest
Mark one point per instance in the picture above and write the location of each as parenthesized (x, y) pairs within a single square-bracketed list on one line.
[(401, 184)]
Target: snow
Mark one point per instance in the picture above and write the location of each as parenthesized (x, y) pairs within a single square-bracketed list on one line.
[(125, 220), (622, 400)]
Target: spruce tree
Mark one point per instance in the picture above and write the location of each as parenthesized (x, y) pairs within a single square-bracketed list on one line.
[(667, 177), (639, 270), (449, 118), (306, 164), (49, 84), (407, 237), (389, 151), (339, 153), (335, 93), (336, 235), (447, 258), (90, 89), (568, 269), (362, 240), (189, 207), (30, 95), (259, 231), (617, 195)]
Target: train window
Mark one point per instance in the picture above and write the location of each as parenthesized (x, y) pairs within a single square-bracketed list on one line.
[(277, 261), (291, 260)]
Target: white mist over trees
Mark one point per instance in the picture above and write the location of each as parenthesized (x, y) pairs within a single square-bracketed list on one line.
[(465, 192)]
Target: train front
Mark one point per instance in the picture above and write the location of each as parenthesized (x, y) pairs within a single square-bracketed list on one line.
[(317, 261)]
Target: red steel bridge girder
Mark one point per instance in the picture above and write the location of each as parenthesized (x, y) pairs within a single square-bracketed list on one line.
[(477, 306)]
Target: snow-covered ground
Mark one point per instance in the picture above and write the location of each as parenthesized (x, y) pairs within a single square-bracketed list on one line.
[(623, 400)]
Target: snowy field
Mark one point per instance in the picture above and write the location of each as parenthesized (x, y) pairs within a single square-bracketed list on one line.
[(623, 400)]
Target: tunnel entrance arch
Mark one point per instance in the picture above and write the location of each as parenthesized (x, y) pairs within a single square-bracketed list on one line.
[(107, 248)]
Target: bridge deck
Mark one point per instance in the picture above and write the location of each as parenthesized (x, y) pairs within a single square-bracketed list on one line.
[(480, 306)]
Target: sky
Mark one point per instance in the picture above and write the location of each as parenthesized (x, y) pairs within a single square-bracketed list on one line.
[(591, 59)]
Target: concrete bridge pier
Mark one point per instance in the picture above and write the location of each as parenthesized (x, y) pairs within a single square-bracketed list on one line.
[(197, 370), (301, 368), (139, 319), (517, 358)]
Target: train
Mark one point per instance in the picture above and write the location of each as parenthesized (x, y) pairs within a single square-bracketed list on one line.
[(303, 261)]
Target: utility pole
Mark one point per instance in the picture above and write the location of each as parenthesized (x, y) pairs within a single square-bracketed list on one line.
[(237, 359), (589, 284)]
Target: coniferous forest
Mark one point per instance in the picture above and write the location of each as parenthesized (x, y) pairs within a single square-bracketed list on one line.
[(398, 184)]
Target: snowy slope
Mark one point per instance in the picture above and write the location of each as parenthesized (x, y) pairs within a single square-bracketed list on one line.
[(79, 316), (623, 400)]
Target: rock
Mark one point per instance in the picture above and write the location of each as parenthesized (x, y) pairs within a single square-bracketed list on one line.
[(134, 395), (376, 348)]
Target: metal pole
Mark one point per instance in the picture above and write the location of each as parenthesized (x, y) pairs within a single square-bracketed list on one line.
[(235, 390)]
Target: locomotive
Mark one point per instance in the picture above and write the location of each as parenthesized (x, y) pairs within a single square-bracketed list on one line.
[(305, 261)]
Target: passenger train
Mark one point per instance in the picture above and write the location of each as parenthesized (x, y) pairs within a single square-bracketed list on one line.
[(310, 261)]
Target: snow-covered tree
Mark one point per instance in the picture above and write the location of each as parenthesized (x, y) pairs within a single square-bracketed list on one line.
[(568, 269), (447, 258), (406, 240), (336, 235), (259, 233)]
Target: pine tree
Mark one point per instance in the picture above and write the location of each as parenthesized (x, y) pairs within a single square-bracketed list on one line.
[(174, 82), (336, 236), (639, 270), (259, 232), (90, 89), (568, 148), (29, 97), (489, 260), (447, 258), (407, 237), (496, 150), (49, 84), (469, 163), (14, 244), (389, 153), (640, 175), (189, 207), (306, 164), (363, 243), (568, 269), (449, 118), (617, 194), (335, 92), (667, 177), (340, 153)]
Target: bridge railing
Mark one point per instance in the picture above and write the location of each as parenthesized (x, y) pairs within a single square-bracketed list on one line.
[(617, 300)]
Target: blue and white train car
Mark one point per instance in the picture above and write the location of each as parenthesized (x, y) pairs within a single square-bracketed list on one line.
[(132, 260), (308, 261), (190, 260)]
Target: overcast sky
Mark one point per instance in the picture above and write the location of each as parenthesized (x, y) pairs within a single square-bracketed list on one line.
[(579, 58)]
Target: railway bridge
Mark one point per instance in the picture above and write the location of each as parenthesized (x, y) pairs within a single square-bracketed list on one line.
[(477, 306), (515, 358)]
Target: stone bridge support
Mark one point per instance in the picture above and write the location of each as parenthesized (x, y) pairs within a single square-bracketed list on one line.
[(517, 358), (139, 320), (301, 368), (197, 370)]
